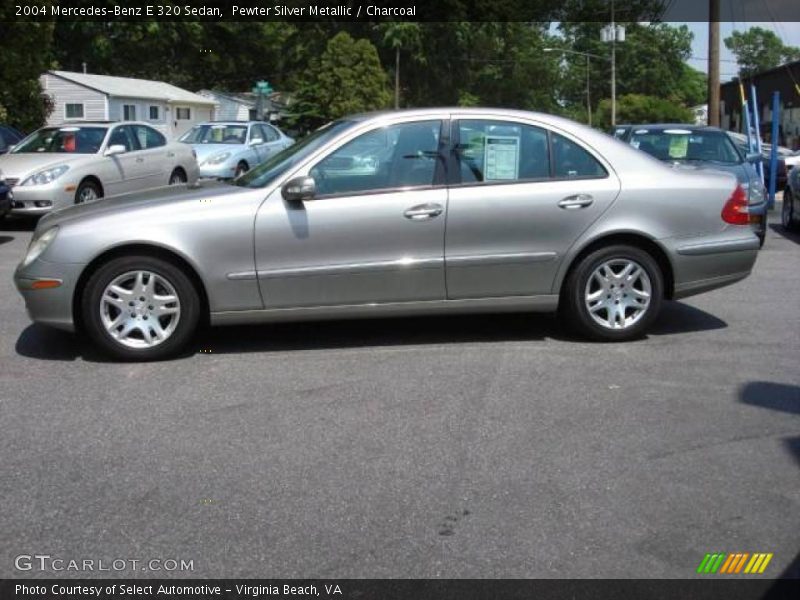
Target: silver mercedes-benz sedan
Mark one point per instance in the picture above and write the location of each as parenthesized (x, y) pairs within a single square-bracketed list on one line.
[(397, 213), (84, 161)]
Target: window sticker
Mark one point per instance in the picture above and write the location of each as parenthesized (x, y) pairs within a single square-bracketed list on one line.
[(501, 160), (678, 146)]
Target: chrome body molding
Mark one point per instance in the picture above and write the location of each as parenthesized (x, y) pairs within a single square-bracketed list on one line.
[(719, 246)]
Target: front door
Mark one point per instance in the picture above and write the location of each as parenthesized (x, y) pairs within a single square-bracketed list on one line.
[(521, 195), (374, 233)]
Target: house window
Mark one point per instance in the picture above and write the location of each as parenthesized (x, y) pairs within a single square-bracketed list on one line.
[(183, 114), (128, 112), (73, 111), (154, 113)]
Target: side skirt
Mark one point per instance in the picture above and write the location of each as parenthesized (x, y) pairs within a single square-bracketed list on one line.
[(543, 303)]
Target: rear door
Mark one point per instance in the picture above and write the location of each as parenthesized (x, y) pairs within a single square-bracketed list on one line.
[(521, 194)]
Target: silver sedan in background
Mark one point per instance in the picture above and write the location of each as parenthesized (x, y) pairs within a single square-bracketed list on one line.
[(226, 149), (399, 213), (70, 164)]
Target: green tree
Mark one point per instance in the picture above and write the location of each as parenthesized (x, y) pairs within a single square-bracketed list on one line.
[(759, 49), (638, 108), (24, 57), (400, 35), (651, 62), (347, 78)]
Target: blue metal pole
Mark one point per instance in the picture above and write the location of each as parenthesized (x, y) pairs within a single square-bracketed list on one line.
[(773, 157), (757, 132)]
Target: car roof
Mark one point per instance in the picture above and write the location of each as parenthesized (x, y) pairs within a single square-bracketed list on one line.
[(660, 126), (234, 122), (97, 123)]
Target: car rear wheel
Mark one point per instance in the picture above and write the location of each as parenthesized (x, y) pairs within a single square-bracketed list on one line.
[(787, 212), (140, 308), (87, 192), (613, 294)]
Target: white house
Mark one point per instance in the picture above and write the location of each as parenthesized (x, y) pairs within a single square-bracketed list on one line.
[(87, 97), (231, 107), (243, 106)]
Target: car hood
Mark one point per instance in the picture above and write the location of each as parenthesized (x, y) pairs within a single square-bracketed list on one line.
[(205, 151), (20, 165), (137, 200)]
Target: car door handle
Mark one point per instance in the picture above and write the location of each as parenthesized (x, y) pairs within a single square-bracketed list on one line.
[(139, 159), (170, 154), (423, 211), (576, 201)]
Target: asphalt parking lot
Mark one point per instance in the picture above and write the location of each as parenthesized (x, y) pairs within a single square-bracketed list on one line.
[(491, 446)]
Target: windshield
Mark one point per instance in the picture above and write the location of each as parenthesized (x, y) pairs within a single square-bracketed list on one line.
[(685, 145), (284, 160), (71, 140), (215, 134)]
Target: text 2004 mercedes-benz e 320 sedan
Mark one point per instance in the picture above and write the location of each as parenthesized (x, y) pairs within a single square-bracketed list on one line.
[(412, 212)]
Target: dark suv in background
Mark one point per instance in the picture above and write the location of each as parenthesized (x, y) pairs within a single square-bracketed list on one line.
[(701, 147)]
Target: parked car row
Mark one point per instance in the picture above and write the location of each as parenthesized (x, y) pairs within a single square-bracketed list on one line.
[(424, 211), (74, 163)]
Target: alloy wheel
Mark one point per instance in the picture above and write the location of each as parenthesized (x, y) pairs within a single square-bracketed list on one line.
[(618, 293), (140, 309)]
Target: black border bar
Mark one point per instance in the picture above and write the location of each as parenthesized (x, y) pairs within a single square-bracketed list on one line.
[(706, 588)]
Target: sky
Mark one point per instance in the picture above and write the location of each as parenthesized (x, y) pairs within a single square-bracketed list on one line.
[(788, 32)]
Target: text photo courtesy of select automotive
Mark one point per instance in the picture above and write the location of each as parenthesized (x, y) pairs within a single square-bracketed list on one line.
[(401, 299)]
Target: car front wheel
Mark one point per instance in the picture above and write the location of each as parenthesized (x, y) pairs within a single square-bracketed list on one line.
[(140, 308), (613, 294)]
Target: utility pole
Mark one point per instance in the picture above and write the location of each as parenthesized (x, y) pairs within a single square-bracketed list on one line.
[(713, 63), (613, 68), (613, 33), (588, 94)]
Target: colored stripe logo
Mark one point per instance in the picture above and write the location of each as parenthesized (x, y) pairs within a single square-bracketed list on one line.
[(734, 563)]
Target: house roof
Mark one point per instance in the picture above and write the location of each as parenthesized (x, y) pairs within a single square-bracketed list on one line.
[(240, 98), (127, 87)]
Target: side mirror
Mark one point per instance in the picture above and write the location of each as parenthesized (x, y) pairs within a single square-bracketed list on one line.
[(299, 189), (753, 157), (256, 141), (114, 150)]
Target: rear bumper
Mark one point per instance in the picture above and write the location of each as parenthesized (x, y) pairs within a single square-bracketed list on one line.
[(703, 265)]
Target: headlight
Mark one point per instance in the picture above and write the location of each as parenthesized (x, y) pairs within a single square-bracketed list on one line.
[(46, 176), (218, 158), (38, 245)]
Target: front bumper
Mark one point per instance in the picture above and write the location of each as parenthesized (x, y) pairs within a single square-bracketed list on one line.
[(51, 306), (220, 171), (5, 202), (40, 199)]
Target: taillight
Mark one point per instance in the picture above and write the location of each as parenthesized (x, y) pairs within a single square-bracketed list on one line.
[(735, 210)]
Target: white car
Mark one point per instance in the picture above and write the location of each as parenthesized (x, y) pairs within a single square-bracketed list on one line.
[(69, 164)]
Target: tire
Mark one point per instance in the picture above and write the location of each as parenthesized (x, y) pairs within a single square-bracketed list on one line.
[(178, 177), (787, 211), (88, 191), (241, 169), (640, 298), (125, 312)]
